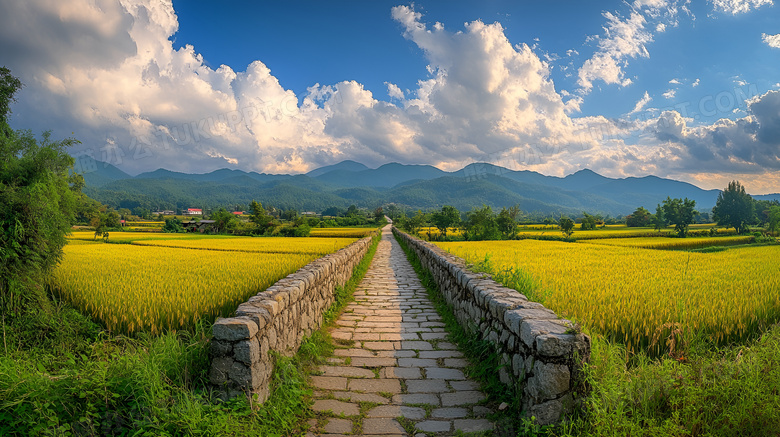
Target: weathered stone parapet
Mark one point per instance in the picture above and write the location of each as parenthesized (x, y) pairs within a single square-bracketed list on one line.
[(277, 319), (541, 353)]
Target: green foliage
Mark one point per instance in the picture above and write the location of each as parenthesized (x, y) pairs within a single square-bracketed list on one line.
[(715, 392), (104, 221), (37, 208), (224, 221), (260, 217), (567, 226), (507, 222), (481, 225), (9, 85), (774, 219), (734, 208), (639, 218), (412, 225), (588, 222), (659, 220), (173, 225), (679, 212), (447, 218)]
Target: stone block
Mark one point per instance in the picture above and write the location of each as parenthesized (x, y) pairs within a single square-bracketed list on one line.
[(555, 345), (220, 369), (550, 412), (234, 329), (532, 328), (548, 382), (247, 351), (220, 348), (258, 314)]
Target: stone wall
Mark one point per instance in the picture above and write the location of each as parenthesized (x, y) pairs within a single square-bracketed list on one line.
[(277, 319), (542, 354)]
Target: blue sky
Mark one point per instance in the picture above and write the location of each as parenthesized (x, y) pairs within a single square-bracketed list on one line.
[(344, 42), (667, 87)]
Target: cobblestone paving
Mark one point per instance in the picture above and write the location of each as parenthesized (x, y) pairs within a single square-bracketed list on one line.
[(392, 360)]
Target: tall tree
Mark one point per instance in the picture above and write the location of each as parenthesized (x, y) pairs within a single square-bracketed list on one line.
[(259, 217), (588, 222), (445, 219), (679, 212), (567, 226), (224, 221), (481, 224), (734, 208), (639, 218), (774, 219), (37, 208), (506, 222), (659, 221)]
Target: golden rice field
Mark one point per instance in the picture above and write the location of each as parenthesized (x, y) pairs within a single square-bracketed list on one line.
[(629, 293), (672, 243), (609, 231), (160, 282), (434, 232), (309, 245), (342, 232), (133, 288), (126, 237)]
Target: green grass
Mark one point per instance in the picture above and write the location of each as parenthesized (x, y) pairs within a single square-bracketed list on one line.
[(61, 374), (732, 391)]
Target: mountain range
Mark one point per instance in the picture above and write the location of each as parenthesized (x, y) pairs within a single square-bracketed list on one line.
[(407, 186)]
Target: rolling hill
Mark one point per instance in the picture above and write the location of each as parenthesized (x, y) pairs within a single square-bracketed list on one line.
[(410, 186)]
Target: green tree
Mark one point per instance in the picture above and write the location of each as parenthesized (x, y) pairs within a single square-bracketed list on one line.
[(446, 218), (415, 223), (224, 221), (774, 219), (481, 224), (38, 200), (260, 217), (588, 222), (173, 225), (734, 208), (680, 213), (639, 218), (659, 220), (567, 226), (506, 222), (379, 214), (104, 221)]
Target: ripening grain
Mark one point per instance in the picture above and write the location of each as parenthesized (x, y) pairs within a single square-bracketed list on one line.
[(672, 243), (342, 232), (629, 293), (310, 245), (134, 288)]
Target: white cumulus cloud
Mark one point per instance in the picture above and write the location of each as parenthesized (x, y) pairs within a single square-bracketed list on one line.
[(771, 40), (107, 71), (735, 7), (623, 39)]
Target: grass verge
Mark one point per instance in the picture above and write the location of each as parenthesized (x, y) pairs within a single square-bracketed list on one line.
[(61, 374)]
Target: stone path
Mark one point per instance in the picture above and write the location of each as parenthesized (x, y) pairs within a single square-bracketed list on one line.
[(392, 360)]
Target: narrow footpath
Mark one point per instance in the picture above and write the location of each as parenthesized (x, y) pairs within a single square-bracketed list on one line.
[(393, 360)]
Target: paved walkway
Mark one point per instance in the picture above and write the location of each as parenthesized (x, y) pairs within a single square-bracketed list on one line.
[(392, 360)]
